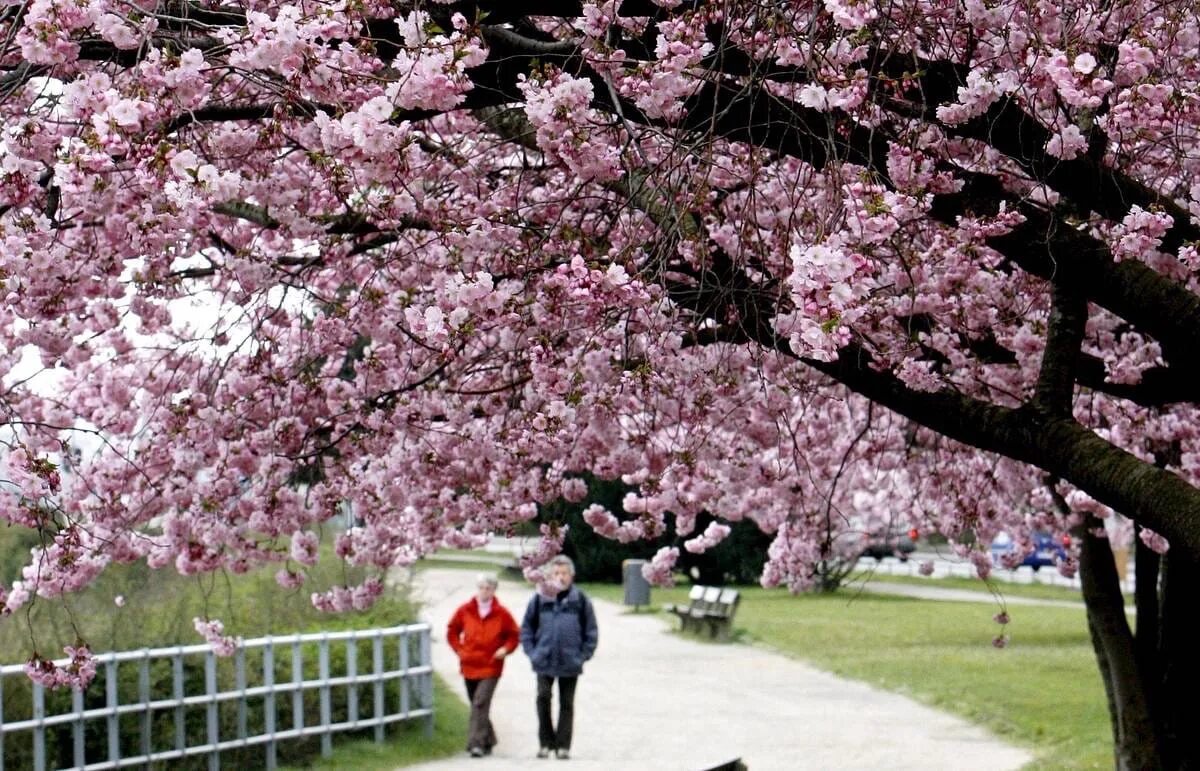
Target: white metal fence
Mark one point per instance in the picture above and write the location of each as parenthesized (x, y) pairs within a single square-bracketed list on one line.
[(185, 702)]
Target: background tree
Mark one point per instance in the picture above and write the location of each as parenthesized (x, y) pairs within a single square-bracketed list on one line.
[(441, 260), (738, 559)]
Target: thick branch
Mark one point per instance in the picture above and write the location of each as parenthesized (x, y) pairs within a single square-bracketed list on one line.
[(1151, 496), (1085, 181), (1048, 247), (1056, 379)]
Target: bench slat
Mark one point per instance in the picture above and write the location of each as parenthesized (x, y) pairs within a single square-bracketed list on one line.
[(710, 607)]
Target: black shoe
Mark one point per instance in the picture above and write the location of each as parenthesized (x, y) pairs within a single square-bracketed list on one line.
[(544, 752), (476, 752), (562, 754)]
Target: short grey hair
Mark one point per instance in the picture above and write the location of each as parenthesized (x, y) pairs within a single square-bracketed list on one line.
[(563, 559), (487, 578)]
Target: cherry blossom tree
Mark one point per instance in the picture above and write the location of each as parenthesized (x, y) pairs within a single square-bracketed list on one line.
[(804, 263)]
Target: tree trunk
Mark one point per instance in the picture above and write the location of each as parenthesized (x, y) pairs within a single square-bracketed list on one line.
[(1146, 601), (1179, 657), (1136, 745)]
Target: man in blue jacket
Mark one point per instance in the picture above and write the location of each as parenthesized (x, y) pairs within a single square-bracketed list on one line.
[(558, 634)]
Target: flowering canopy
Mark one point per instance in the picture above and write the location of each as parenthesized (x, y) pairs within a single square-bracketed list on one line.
[(798, 262)]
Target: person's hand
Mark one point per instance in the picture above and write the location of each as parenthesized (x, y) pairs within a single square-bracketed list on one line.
[(501, 653)]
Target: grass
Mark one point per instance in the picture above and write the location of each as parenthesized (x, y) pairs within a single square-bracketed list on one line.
[(480, 566), (406, 745), (457, 559), (1042, 691)]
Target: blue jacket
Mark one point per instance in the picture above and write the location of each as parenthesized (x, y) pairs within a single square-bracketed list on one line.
[(559, 633)]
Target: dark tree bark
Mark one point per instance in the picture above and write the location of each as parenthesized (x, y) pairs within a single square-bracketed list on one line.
[(1179, 658), (1136, 743), (1146, 602)]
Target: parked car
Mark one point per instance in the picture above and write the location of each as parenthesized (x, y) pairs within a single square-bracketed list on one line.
[(1046, 552), (891, 544)]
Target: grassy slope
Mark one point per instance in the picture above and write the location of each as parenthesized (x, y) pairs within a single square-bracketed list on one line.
[(159, 609), (406, 745)]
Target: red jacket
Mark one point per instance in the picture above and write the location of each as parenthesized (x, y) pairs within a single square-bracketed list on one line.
[(476, 639)]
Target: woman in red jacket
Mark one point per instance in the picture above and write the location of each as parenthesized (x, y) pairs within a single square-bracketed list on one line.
[(482, 632)]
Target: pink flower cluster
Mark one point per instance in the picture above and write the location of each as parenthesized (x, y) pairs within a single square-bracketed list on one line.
[(77, 671), (558, 107), (340, 599), (659, 571), (1154, 541), (548, 546), (213, 632)]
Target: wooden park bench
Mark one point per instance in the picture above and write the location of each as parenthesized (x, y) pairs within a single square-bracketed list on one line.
[(709, 609)]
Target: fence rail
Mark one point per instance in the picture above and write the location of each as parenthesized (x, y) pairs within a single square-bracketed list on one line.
[(176, 696)]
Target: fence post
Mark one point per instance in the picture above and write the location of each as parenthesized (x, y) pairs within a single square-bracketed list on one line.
[(210, 709), (144, 695), (297, 681), (114, 728), (77, 728), (323, 676), (39, 731), (352, 673), (427, 681), (177, 694), (377, 666), (240, 684), (268, 663), (403, 642)]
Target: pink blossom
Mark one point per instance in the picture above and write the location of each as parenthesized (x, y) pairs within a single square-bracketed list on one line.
[(1085, 63), (305, 547), (213, 632), (659, 570), (712, 535), (77, 671), (1155, 542), (1067, 143)]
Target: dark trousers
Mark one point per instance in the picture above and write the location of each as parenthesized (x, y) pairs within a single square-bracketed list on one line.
[(559, 739), (479, 728)]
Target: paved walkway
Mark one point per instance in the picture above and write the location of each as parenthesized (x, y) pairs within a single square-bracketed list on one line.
[(947, 594), (651, 699)]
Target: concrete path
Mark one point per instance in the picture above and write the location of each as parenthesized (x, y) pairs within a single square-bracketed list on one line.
[(948, 594), (651, 699)]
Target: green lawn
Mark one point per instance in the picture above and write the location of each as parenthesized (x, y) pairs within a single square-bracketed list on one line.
[(1042, 691), (406, 744)]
